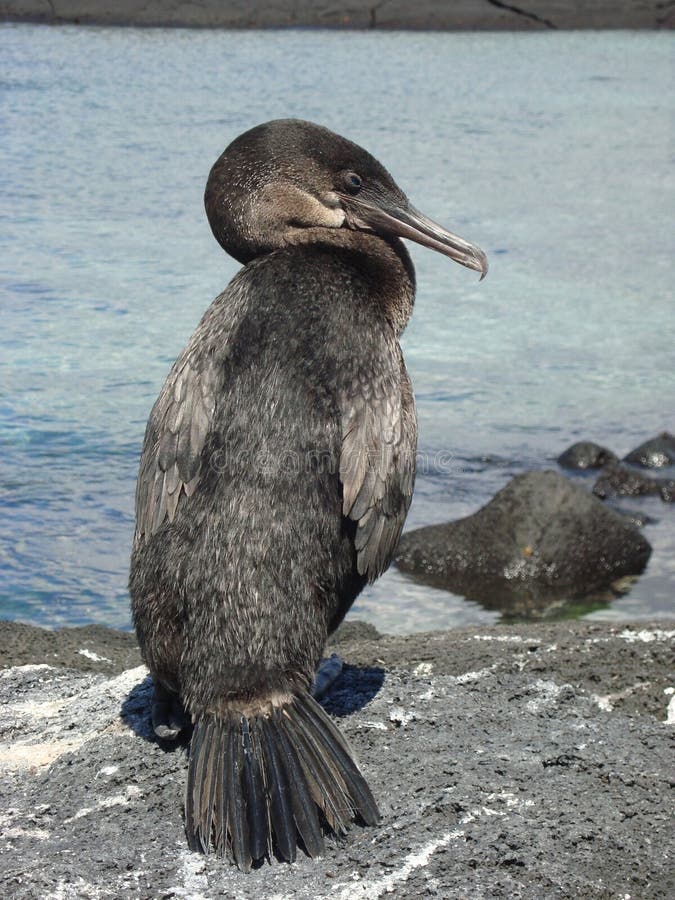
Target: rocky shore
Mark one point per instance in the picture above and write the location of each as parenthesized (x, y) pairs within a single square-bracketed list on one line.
[(359, 14), (530, 761)]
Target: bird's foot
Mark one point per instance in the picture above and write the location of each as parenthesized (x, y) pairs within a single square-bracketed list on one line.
[(168, 715), (327, 673)]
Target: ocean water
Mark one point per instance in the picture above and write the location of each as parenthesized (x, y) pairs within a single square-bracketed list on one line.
[(552, 151)]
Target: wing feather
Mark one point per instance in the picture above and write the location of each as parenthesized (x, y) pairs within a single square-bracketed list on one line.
[(174, 440), (182, 417), (377, 459)]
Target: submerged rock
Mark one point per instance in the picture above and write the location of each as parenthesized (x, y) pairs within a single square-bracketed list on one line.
[(620, 481), (654, 453), (635, 517), (539, 538), (586, 455)]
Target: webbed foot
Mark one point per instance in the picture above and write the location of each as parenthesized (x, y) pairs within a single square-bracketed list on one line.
[(167, 714), (327, 673)]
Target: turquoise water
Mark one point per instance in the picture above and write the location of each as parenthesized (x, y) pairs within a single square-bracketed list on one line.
[(551, 151)]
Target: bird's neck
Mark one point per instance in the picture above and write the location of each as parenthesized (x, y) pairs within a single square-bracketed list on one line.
[(384, 263)]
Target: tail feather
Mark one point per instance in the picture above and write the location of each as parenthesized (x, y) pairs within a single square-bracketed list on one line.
[(328, 789), (213, 761), (258, 784), (219, 798), (362, 799), (201, 741), (237, 823), (279, 792), (304, 809), (254, 790)]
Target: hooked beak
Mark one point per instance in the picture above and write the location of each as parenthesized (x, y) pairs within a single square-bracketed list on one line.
[(408, 222)]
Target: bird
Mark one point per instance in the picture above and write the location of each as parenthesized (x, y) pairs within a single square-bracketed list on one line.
[(275, 476)]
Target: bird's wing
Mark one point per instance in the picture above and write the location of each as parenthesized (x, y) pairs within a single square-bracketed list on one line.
[(174, 439), (181, 419), (377, 460)]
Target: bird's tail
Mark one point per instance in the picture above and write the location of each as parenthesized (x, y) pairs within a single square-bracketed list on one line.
[(265, 781)]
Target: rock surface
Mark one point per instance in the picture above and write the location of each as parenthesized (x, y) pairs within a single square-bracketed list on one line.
[(426, 14), (521, 762), (91, 648), (654, 453), (586, 455), (620, 481), (540, 537)]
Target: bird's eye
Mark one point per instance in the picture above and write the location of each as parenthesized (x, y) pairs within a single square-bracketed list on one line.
[(352, 182)]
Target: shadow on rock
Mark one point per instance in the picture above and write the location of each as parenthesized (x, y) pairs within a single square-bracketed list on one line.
[(353, 690), (540, 544), (135, 713)]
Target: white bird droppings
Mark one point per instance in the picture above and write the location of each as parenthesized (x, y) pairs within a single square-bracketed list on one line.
[(646, 636), (374, 888), (670, 712), (89, 654)]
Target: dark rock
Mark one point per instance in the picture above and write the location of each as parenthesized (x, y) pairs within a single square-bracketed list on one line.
[(91, 648), (620, 481), (539, 538), (654, 453), (355, 629), (496, 755), (586, 455), (540, 15)]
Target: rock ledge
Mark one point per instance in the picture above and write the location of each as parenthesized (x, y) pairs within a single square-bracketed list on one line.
[(511, 761), (536, 15)]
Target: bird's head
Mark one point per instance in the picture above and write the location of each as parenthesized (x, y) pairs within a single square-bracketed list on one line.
[(286, 181)]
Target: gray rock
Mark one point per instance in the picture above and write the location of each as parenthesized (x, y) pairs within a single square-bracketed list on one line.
[(424, 14), (654, 453), (586, 455), (539, 538), (354, 629), (531, 762), (92, 648), (620, 481)]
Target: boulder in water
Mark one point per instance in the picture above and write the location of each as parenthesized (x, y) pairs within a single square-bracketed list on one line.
[(540, 537), (655, 453), (586, 455), (620, 481)]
